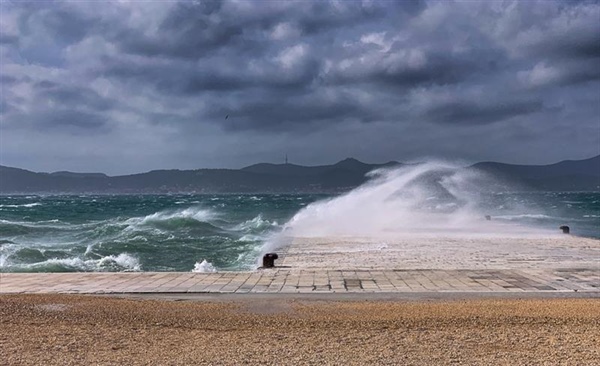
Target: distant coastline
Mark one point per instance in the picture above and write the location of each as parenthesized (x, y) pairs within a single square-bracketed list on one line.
[(569, 175)]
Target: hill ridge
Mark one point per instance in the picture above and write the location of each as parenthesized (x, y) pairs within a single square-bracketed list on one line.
[(268, 177)]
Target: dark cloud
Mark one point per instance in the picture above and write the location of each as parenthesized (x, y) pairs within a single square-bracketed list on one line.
[(190, 30), (471, 112), (321, 16), (73, 118), (7, 80), (68, 96), (70, 122), (572, 43), (408, 70), (321, 80), (295, 112), (216, 75), (4, 107), (579, 73), (8, 39), (57, 22), (66, 25)]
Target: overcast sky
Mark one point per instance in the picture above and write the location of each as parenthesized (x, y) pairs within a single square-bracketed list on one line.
[(130, 87)]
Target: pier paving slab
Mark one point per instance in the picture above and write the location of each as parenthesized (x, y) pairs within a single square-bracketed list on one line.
[(430, 251), (428, 264), (247, 282)]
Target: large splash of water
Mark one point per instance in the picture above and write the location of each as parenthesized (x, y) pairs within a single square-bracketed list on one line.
[(429, 198)]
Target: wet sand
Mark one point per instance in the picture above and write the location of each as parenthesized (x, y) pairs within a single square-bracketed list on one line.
[(76, 330)]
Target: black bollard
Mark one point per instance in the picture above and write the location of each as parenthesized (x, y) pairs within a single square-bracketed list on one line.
[(269, 260), (565, 229)]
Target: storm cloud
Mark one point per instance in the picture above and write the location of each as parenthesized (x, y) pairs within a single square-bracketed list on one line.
[(129, 87)]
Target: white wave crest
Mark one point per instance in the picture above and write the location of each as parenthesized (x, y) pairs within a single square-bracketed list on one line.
[(3, 260), (196, 213), (256, 223), (121, 262), (23, 205), (40, 224), (204, 267), (250, 238)]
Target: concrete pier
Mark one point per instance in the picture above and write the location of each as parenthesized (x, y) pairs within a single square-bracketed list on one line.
[(425, 264)]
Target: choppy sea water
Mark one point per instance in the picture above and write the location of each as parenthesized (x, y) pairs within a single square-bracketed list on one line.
[(139, 233), (204, 232)]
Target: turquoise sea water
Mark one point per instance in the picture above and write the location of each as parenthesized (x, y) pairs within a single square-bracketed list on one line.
[(203, 232)]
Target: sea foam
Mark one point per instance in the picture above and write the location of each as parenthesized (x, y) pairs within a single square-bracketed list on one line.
[(204, 267), (120, 262)]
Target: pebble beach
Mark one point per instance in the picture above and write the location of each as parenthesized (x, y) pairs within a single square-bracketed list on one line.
[(75, 330)]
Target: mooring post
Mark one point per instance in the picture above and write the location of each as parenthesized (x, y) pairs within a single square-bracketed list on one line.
[(565, 229), (269, 260)]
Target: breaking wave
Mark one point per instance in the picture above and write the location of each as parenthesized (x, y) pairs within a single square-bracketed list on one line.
[(204, 267), (112, 263), (164, 240)]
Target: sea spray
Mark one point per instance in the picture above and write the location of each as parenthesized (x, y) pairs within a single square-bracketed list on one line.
[(204, 267), (433, 198), (414, 198)]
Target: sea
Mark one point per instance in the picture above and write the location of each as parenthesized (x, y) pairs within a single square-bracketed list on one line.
[(230, 232)]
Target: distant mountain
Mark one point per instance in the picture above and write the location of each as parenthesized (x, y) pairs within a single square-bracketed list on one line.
[(568, 175), (349, 164), (79, 175), (342, 176)]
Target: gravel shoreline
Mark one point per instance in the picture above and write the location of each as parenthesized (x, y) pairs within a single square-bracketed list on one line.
[(76, 330)]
